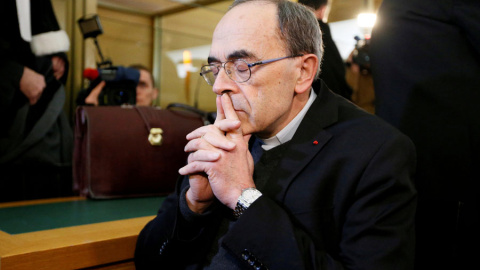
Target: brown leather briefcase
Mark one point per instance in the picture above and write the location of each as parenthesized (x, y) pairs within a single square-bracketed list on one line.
[(129, 151)]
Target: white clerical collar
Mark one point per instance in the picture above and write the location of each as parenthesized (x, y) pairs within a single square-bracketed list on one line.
[(286, 134)]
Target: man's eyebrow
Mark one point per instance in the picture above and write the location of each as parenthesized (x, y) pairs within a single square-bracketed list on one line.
[(212, 59), (240, 54), (234, 55)]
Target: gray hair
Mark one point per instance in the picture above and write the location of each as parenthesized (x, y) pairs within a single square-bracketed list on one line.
[(298, 28)]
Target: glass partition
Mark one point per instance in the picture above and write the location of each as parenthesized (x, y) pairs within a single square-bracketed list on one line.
[(182, 45)]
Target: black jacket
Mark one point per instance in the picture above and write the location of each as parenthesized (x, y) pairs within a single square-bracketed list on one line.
[(342, 197)]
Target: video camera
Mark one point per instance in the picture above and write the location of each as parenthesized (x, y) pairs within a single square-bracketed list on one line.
[(361, 55), (120, 82)]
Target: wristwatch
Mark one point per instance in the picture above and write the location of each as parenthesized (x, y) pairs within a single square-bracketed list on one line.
[(248, 196)]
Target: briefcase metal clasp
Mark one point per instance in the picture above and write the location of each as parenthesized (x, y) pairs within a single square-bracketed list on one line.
[(155, 138)]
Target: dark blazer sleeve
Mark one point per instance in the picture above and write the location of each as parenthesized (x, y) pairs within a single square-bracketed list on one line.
[(155, 235), (172, 242)]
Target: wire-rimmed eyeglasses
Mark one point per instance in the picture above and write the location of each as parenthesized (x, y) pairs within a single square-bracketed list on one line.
[(237, 69)]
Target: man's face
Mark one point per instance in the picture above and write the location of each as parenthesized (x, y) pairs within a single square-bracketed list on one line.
[(146, 93), (265, 103)]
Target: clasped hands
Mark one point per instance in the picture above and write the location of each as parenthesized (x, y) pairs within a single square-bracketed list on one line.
[(219, 164)]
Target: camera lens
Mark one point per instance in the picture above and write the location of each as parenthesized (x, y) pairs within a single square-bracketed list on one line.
[(121, 97), (117, 93)]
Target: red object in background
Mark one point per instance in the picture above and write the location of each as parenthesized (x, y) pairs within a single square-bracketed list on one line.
[(90, 73)]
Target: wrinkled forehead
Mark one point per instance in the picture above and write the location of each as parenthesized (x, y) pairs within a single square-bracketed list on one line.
[(249, 27)]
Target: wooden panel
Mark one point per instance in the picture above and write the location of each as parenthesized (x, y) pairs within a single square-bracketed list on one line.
[(72, 247), (39, 201), (7, 243), (188, 30), (127, 38), (349, 9), (196, 22), (142, 6)]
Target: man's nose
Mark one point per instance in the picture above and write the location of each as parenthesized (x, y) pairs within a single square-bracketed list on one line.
[(223, 83)]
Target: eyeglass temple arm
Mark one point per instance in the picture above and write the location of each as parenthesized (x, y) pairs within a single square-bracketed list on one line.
[(272, 60), (203, 73)]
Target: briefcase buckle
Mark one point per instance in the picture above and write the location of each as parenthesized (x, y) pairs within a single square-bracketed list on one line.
[(155, 138)]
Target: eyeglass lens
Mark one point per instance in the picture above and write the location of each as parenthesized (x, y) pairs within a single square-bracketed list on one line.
[(237, 70)]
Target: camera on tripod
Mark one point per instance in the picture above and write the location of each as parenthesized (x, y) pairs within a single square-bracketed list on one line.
[(361, 55), (120, 82)]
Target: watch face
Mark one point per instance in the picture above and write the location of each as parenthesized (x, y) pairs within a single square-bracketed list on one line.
[(249, 196)]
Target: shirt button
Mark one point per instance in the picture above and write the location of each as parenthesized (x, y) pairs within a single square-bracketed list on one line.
[(258, 266), (246, 254)]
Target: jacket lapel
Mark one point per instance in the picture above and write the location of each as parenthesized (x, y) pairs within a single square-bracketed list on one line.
[(308, 140)]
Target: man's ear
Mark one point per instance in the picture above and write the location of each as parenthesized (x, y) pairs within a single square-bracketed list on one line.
[(309, 67)]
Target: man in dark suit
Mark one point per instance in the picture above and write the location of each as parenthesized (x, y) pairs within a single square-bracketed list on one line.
[(333, 67), (333, 188), (425, 58)]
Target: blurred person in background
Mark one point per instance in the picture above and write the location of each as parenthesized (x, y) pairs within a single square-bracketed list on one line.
[(36, 140), (146, 92), (425, 58), (333, 67)]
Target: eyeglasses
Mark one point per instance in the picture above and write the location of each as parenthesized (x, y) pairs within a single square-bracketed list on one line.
[(238, 69)]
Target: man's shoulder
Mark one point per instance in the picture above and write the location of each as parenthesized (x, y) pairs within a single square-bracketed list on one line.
[(341, 117), (353, 119)]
